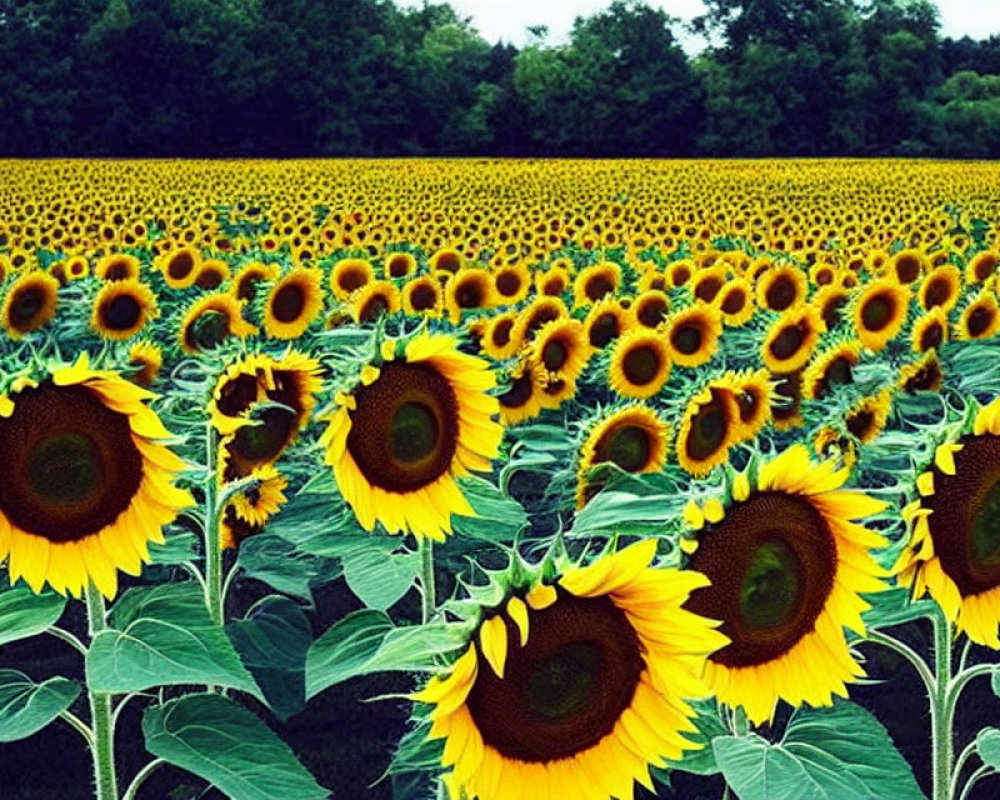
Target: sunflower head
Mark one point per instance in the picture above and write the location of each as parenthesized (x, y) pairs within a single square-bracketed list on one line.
[(941, 288), (561, 348), (122, 308), (447, 259), (147, 358), (468, 290), (650, 308), (924, 375), (594, 282), (210, 320), (981, 266), (680, 272), (710, 424), (250, 509), (880, 310), (523, 397), (118, 267), (399, 265), (374, 300), (498, 339), (735, 302), (981, 318), (791, 338), (752, 392), (30, 302), (349, 275), (781, 287), (293, 303), (511, 283), (787, 567), (538, 313), (830, 302), (866, 419), (640, 364), (606, 321), (554, 281), (87, 483), (212, 274), (417, 420), (692, 335), (574, 684), (244, 285), (180, 267), (423, 296), (907, 266), (834, 366)]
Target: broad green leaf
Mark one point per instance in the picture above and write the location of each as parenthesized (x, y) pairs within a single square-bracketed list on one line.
[(272, 642), (498, 518), (318, 523), (894, 607), (702, 762), (366, 641), (160, 636), (26, 707), (224, 744), (278, 563), (378, 577), (988, 745), (825, 754), (24, 613), (177, 549)]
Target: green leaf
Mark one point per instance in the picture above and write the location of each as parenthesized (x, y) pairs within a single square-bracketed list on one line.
[(162, 636), (498, 518), (377, 576), (988, 745), (825, 754), (224, 744), (702, 762), (272, 642), (366, 641), (318, 523), (178, 548), (894, 607), (24, 613), (278, 563), (26, 707), (995, 681)]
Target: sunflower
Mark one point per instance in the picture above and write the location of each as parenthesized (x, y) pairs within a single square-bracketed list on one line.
[(349, 275), (680, 272), (468, 290), (399, 265), (908, 265), (573, 689), (423, 296), (981, 266), (735, 302), (708, 282), (866, 419), (751, 392), (980, 319), (557, 390), (640, 364), (954, 547), (498, 340), (210, 320), (30, 302), (76, 267), (122, 308), (554, 281), (86, 484), (880, 310), (791, 338), (398, 441), (447, 259), (652, 278), (289, 384), (709, 426), (930, 330), (118, 267), (293, 303), (606, 321), (523, 397), (830, 302), (538, 313), (211, 274), (833, 366), (594, 282), (692, 335), (650, 308), (787, 568), (633, 437), (941, 288), (373, 300), (253, 507), (180, 267), (244, 284), (147, 358), (511, 283), (781, 286), (561, 348)]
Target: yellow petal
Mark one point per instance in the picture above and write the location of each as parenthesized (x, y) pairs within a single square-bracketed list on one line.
[(369, 374), (713, 510), (518, 611), (541, 596), (493, 640), (925, 484), (741, 487), (944, 457), (693, 517)]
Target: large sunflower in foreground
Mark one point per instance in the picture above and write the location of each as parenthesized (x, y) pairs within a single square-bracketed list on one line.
[(787, 566), (85, 485), (575, 689), (417, 422), (954, 549)]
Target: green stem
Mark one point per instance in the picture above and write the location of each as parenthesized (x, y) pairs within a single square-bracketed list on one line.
[(140, 777), (740, 726), (942, 711), (965, 755), (67, 637), (974, 778), (909, 654), (213, 547), (79, 726), (100, 711), (427, 587)]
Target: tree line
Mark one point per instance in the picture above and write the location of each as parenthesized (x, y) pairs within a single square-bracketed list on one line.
[(367, 78)]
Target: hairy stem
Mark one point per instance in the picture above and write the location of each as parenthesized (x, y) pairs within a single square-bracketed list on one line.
[(427, 585), (100, 711)]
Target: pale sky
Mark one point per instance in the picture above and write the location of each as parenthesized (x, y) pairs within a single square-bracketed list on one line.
[(509, 19)]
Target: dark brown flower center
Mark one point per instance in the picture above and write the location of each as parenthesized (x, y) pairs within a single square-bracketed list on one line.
[(121, 313), (641, 364), (289, 302)]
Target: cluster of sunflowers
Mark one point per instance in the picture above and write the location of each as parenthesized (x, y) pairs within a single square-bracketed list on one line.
[(712, 434)]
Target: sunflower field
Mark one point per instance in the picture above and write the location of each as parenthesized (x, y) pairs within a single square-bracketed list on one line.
[(619, 479)]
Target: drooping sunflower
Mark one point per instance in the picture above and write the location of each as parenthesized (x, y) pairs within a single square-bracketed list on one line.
[(606, 321), (561, 348), (293, 303), (639, 365), (86, 483), (831, 367), (122, 308), (941, 288), (692, 335), (980, 319), (373, 300), (791, 338), (880, 310), (866, 419), (399, 265), (907, 266), (533, 318), (735, 302), (423, 296), (511, 283), (981, 266), (349, 275), (574, 689), (554, 281), (930, 330), (498, 340), (147, 358), (212, 273), (924, 375), (650, 308), (468, 290), (210, 320), (253, 507), (118, 267), (709, 426), (830, 302), (398, 441), (787, 568), (594, 282), (781, 286), (634, 438), (30, 303), (180, 267), (292, 381), (244, 284), (524, 395), (954, 547), (557, 390)]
